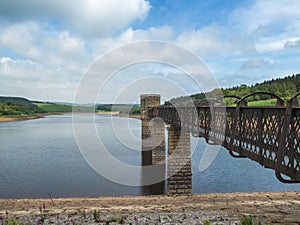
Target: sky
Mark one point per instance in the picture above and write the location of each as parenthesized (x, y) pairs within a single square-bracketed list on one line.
[(47, 47)]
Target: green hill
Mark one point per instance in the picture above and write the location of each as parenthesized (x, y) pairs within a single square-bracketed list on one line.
[(54, 107), (51, 107), (16, 106)]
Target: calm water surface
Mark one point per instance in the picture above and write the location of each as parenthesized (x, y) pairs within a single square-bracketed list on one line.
[(38, 157)]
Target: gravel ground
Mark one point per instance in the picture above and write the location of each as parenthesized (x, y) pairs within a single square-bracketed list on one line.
[(183, 216), (272, 208)]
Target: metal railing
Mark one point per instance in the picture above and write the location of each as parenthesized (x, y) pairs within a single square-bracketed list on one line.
[(269, 135)]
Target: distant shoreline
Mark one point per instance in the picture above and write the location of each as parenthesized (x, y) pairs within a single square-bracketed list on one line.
[(14, 119), (29, 117), (38, 116), (108, 113), (134, 116)]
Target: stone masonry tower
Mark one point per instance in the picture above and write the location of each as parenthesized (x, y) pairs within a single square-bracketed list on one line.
[(153, 143), (153, 132), (153, 151)]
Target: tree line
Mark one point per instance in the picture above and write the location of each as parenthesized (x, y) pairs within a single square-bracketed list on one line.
[(282, 87)]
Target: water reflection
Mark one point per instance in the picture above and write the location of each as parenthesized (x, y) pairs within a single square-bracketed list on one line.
[(38, 157)]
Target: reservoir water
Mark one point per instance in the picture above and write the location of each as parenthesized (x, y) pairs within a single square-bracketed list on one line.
[(38, 157)]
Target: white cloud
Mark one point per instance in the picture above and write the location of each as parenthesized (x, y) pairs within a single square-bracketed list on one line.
[(29, 40), (164, 33), (51, 43), (215, 40), (269, 23), (207, 41), (256, 63), (43, 65), (65, 51), (102, 17), (273, 45), (35, 81), (269, 45), (13, 68), (54, 58), (204, 40), (88, 17), (20, 37), (293, 44), (282, 15)]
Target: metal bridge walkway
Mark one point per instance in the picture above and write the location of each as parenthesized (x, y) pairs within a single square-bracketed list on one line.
[(267, 135)]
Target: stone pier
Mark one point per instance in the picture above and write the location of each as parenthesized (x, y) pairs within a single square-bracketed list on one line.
[(179, 162), (179, 176), (153, 142), (153, 133)]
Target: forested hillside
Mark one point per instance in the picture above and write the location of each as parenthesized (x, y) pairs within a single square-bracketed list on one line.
[(18, 106), (283, 87)]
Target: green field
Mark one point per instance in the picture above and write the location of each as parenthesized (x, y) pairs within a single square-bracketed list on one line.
[(269, 102), (63, 108), (55, 108)]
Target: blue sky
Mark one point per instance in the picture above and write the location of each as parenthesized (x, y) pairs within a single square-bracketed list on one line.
[(47, 46), (193, 14)]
